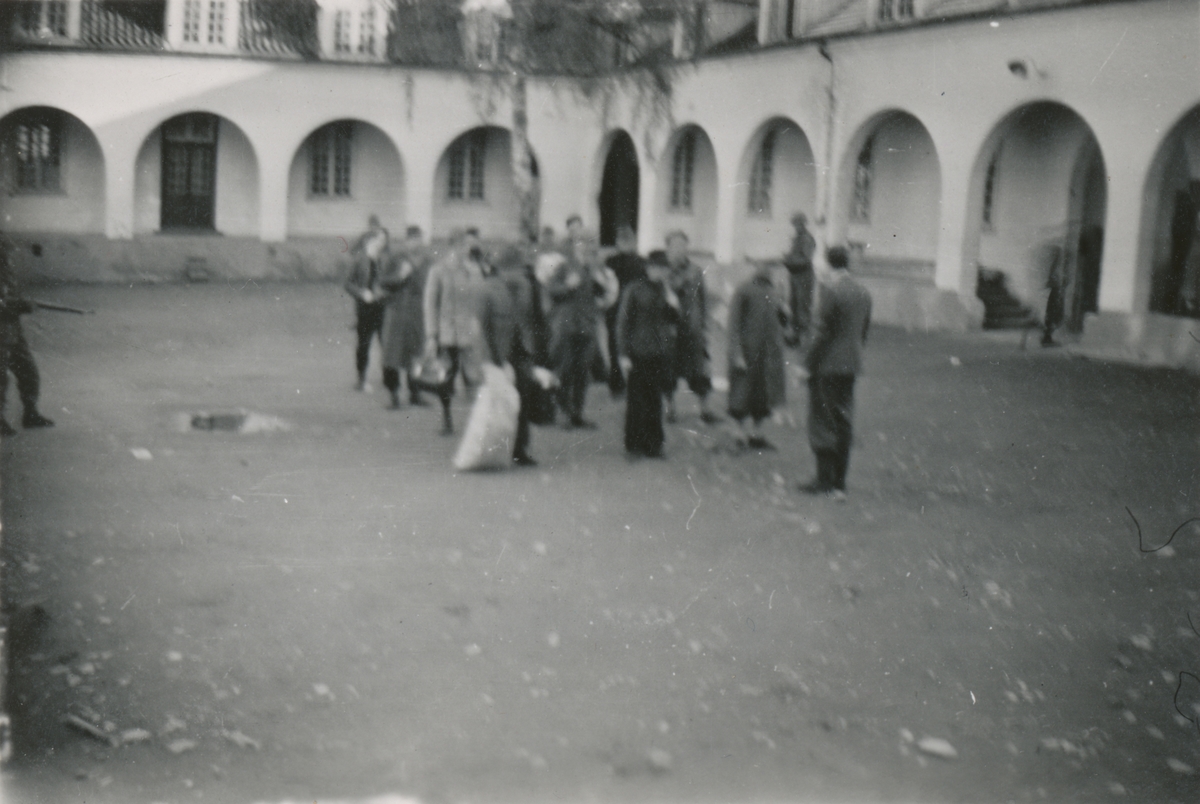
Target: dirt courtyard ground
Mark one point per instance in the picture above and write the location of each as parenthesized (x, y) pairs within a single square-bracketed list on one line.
[(331, 612)]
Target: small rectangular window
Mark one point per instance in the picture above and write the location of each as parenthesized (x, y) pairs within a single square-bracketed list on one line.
[(191, 20), (341, 31), (216, 22), (760, 176), (860, 207), (366, 32), (682, 168), (467, 160), (329, 159)]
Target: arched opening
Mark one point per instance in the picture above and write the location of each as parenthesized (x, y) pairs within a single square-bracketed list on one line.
[(687, 187), (342, 173), (619, 188), (776, 179), (1039, 198), (197, 172), (474, 186), (891, 189), (53, 172), (1169, 275)]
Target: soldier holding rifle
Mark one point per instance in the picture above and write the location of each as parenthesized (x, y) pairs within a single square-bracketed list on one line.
[(15, 355)]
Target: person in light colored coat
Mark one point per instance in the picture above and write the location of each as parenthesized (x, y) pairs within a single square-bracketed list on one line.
[(451, 309)]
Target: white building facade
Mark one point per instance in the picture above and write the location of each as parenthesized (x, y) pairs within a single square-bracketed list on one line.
[(934, 143)]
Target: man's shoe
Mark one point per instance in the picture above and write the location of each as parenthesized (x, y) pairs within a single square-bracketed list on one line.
[(6, 429), (815, 487), (837, 495), (418, 401), (34, 419), (758, 442), (583, 424), (708, 417), (394, 404), (524, 460)]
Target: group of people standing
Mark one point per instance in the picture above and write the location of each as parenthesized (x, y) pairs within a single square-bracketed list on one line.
[(639, 323)]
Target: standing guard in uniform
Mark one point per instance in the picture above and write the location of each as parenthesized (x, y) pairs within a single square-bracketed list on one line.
[(691, 343), (403, 318), (15, 355), (363, 286)]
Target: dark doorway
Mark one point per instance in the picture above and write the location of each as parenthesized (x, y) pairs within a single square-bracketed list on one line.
[(189, 171), (619, 189)]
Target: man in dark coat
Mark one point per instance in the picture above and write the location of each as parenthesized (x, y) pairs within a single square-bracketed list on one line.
[(646, 323), (15, 355), (628, 266), (403, 283), (834, 360), (801, 278), (507, 327), (691, 343), (757, 319), (363, 286), (573, 289)]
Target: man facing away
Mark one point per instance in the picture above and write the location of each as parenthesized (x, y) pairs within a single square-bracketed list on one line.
[(363, 286), (451, 315), (757, 318), (834, 361), (15, 355), (691, 342)]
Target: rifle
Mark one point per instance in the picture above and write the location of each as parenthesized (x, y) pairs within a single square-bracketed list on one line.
[(61, 308)]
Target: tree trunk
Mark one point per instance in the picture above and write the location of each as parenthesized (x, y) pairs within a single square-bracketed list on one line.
[(522, 162)]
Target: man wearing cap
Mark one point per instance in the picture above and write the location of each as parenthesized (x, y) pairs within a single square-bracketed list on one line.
[(363, 287), (451, 315), (403, 283)]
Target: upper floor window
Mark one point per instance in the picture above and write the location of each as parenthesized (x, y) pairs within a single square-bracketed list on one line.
[(36, 145), (341, 31), (366, 32), (682, 167), (466, 163), (860, 206), (893, 10), (329, 160), (44, 18), (191, 21), (216, 22), (761, 174)]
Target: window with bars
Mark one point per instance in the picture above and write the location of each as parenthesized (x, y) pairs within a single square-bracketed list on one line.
[(366, 32), (466, 164), (191, 20), (761, 174), (341, 31), (682, 167), (989, 192), (216, 22), (36, 145), (329, 160), (860, 208)]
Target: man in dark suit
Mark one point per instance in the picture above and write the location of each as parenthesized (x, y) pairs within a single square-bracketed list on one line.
[(842, 319)]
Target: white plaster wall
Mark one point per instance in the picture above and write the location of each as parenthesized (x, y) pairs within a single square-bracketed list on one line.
[(376, 187), (237, 183), (147, 206), (793, 189), (905, 198), (78, 204)]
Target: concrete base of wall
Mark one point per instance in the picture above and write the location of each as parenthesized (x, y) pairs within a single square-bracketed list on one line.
[(51, 258), (1142, 338), (921, 306)]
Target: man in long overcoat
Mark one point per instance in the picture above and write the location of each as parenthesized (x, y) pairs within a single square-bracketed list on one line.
[(646, 324), (757, 318), (403, 283), (801, 277), (691, 343), (834, 361), (451, 309)]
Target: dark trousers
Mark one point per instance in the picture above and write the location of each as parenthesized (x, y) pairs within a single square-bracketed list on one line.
[(370, 325), (16, 357), (644, 405), (616, 380), (454, 354), (830, 430), (391, 381), (576, 374), (525, 389), (802, 282)]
